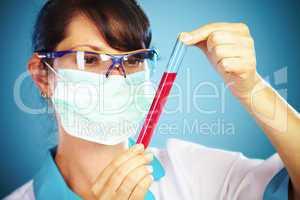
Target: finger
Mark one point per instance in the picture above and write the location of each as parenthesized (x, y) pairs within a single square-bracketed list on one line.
[(116, 163), (132, 179), (202, 33), (228, 38), (141, 188), (120, 174), (237, 65), (229, 51)]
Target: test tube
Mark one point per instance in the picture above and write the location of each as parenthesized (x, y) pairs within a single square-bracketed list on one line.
[(162, 93)]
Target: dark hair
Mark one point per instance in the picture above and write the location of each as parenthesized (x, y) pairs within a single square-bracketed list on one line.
[(122, 23)]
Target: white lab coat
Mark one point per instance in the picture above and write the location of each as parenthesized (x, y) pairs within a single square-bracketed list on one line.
[(196, 172)]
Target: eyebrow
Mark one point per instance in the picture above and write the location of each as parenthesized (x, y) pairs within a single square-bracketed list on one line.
[(96, 48)]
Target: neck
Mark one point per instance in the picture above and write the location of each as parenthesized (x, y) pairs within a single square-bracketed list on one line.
[(80, 161)]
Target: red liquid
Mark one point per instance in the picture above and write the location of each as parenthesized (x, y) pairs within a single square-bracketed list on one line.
[(156, 108)]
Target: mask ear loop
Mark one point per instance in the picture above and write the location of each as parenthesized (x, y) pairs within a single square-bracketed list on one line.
[(54, 71)]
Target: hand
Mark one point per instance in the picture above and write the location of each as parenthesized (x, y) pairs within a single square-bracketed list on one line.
[(126, 177), (230, 48)]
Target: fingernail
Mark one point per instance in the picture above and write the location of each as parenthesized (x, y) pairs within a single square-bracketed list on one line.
[(185, 37), (152, 178), (139, 147), (150, 169)]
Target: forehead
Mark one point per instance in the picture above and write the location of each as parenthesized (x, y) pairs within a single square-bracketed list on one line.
[(83, 33)]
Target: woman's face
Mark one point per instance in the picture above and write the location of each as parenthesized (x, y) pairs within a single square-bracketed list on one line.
[(82, 34)]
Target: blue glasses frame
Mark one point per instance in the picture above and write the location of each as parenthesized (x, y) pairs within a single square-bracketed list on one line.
[(117, 58)]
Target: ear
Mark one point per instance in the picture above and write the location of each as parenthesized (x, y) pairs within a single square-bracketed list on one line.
[(39, 74)]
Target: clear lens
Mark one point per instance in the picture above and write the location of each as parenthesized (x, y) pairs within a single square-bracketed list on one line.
[(101, 63), (90, 62), (134, 63)]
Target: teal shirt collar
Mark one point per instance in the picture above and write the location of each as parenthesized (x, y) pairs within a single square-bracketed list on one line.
[(49, 184), (278, 188)]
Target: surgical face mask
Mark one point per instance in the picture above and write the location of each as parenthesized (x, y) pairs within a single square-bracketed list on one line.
[(99, 109)]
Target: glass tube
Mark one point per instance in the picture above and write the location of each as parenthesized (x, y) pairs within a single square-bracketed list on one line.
[(162, 93)]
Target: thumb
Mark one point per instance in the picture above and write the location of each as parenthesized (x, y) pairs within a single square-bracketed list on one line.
[(193, 38), (188, 39)]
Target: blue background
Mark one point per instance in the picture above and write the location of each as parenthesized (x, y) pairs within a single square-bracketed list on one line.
[(275, 26)]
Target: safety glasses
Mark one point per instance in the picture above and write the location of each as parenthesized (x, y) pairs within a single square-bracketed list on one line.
[(101, 62)]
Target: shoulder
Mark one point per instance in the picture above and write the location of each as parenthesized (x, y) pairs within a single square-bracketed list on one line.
[(25, 192), (194, 161), (184, 151), (230, 174), (190, 166)]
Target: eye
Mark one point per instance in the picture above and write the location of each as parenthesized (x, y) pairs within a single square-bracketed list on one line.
[(91, 59), (134, 60)]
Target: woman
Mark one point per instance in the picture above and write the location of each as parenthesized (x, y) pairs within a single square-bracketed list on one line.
[(93, 52)]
